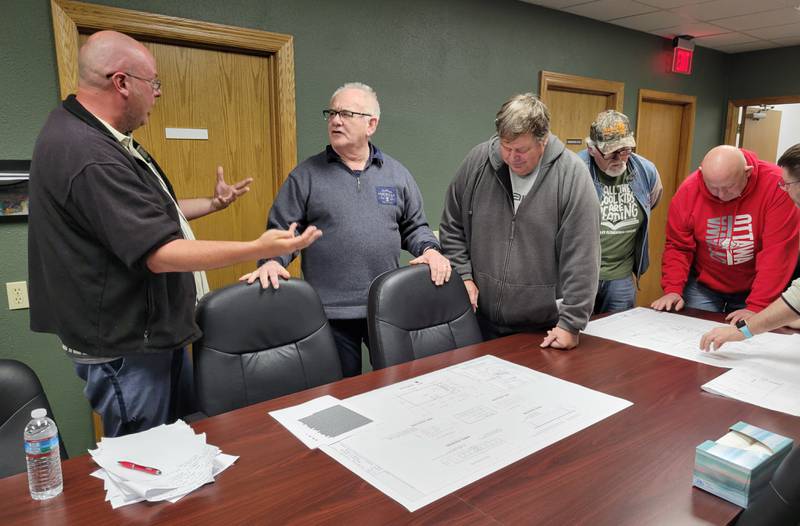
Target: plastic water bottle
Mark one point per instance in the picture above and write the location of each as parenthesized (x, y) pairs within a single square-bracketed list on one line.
[(43, 456)]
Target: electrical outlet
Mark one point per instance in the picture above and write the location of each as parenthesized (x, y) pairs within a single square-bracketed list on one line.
[(17, 295)]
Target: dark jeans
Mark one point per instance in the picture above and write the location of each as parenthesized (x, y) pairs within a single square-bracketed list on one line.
[(614, 295), (698, 296), (348, 335), (138, 392)]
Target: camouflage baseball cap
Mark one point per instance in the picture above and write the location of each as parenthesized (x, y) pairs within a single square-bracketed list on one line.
[(610, 131)]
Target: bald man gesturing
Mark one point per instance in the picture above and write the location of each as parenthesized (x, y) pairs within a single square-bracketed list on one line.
[(110, 251), (732, 237)]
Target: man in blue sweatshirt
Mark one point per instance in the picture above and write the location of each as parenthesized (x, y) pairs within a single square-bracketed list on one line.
[(369, 207)]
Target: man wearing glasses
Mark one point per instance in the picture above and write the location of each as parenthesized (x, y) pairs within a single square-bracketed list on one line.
[(370, 208), (110, 252), (628, 187), (732, 237), (786, 309)]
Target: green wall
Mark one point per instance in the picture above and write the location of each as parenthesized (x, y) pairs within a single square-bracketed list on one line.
[(441, 68), (768, 73)]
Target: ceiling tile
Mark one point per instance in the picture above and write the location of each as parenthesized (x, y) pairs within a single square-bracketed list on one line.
[(725, 39), (669, 4), (650, 21), (731, 26), (747, 46), (696, 29), (609, 9), (775, 32), (727, 8), (763, 19), (793, 41), (555, 4)]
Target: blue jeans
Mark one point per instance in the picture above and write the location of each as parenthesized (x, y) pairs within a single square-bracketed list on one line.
[(614, 295), (698, 296), (138, 392), (348, 335)]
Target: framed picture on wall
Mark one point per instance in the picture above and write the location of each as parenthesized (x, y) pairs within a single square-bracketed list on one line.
[(14, 188)]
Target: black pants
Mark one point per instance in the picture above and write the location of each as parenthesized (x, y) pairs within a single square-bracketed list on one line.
[(348, 335)]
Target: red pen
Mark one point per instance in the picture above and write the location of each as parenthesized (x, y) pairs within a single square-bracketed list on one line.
[(137, 467)]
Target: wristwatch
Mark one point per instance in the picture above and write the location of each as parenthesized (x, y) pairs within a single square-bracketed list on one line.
[(742, 326)]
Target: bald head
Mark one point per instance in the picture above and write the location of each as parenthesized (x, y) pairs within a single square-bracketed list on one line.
[(107, 52), (118, 80), (725, 172)]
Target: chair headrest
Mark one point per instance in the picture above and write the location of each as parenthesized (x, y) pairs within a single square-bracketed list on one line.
[(407, 298), (243, 318), (18, 382)]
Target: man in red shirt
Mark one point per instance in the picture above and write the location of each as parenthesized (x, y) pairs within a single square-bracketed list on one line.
[(731, 235)]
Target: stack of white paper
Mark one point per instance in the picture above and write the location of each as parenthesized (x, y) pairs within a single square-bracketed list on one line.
[(183, 458)]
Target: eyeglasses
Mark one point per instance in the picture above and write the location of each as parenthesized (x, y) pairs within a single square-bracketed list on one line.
[(154, 83), (344, 114), (783, 185), (622, 152)]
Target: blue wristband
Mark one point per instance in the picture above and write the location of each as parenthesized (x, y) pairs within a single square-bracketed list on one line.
[(742, 326)]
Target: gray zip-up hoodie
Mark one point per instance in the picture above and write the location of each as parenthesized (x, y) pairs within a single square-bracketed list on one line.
[(522, 262)]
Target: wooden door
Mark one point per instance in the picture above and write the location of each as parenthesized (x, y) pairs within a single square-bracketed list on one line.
[(224, 94), (571, 114), (221, 92), (236, 83), (761, 135), (575, 101), (665, 124)]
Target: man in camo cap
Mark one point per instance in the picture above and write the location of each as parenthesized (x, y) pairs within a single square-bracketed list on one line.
[(628, 187)]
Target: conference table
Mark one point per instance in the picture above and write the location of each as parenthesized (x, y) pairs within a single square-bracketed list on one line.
[(634, 467)]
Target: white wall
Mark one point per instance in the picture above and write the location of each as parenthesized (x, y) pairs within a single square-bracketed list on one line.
[(790, 126)]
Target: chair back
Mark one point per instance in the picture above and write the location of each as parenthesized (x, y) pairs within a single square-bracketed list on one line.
[(20, 393), (260, 344), (409, 317), (779, 502)]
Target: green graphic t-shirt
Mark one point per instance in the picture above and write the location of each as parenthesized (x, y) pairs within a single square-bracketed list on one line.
[(620, 218)]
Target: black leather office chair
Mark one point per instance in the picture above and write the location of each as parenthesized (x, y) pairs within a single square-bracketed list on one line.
[(260, 344), (20, 393), (779, 503), (409, 317)]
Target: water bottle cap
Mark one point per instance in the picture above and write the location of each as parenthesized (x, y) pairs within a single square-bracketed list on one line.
[(39, 413)]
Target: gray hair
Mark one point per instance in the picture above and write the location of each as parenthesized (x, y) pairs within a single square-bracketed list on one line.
[(376, 107), (521, 114)]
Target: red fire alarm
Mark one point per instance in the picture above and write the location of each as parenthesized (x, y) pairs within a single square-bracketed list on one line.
[(682, 55)]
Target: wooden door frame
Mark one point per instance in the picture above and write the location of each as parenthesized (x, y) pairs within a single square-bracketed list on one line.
[(689, 103), (70, 18), (549, 80), (732, 119)]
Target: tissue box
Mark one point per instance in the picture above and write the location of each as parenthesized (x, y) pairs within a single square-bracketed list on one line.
[(740, 464)]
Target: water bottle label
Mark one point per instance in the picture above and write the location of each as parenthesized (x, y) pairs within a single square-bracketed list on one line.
[(40, 447)]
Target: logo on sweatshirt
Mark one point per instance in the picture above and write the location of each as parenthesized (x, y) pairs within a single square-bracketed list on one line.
[(730, 239), (387, 195)]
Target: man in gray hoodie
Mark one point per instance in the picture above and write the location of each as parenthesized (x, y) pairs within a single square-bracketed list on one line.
[(521, 227)]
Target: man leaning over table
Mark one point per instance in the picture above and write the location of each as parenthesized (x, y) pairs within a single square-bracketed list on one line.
[(521, 224), (730, 233), (786, 309)]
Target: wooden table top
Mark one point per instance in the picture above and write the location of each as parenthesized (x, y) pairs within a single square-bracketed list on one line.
[(634, 467)]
